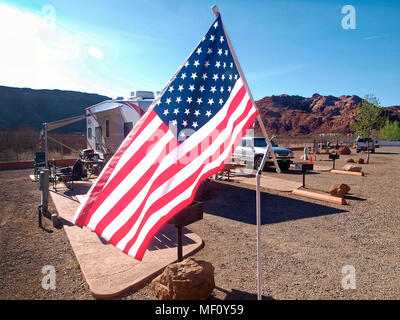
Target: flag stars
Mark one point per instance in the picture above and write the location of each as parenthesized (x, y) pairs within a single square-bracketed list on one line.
[(184, 123), (210, 102), (168, 101), (223, 77), (195, 125), (196, 63), (207, 64), (180, 89), (186, 63), (183, 76), (218, 64), (166, 112), (194, 75), (226, 53), (178, 100), (189, 100), (176, 111), (209, 51), (212, 37), (197, 113), (199, 101), (236, 76), (215, 77), (208, 113), (221, 101), (199, 50), (213, 89), (187, 112), (174, 123), (182, 135), (221, 39), (219, 52), (202, 89), (204, 76), (222, 90), (191, 87), (171, 88), (216, 25)]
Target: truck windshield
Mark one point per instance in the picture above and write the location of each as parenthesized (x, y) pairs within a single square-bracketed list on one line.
[(261, 143)]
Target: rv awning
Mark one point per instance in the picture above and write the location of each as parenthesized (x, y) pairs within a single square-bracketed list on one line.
[(61, 123)]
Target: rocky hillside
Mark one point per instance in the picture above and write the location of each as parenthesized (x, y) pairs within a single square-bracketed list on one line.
[(296, 115), (23, 107)]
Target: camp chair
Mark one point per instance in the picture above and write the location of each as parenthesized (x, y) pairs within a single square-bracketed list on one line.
[(68, 175)]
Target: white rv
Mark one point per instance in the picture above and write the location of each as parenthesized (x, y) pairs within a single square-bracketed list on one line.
[(109, 122)]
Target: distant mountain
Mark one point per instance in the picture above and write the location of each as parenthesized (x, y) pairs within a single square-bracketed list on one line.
[(283, 114), (296, 115), (21, 107)]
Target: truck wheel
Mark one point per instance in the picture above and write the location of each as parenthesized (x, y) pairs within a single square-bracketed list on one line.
[(257, 162)]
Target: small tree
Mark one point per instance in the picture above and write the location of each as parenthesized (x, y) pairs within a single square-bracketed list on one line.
[(391, 130), (368, 118)]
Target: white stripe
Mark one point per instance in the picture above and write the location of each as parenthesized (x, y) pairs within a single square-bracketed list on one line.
[(155, 217), (169, 160), (130, 180), (148, 130), (187, 170), (144, 136)]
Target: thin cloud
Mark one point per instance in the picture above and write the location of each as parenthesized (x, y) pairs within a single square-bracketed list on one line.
[(375, 37)]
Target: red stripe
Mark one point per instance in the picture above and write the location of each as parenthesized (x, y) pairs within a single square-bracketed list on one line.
[(136, 107), (183, 186), (124, 171), (171, 171), (156, 228), (128, 197), (100, 182)]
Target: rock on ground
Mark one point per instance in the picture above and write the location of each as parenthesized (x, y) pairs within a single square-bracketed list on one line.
[(344, 150), (339, 190), (350, 167), (186, 280)]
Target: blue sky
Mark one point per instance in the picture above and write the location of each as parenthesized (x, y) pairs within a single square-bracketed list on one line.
[(284, 47)]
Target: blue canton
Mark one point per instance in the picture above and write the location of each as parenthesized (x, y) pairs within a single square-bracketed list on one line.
[(201, 87)]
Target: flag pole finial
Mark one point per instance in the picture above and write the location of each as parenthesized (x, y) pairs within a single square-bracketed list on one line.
[(214, 8)]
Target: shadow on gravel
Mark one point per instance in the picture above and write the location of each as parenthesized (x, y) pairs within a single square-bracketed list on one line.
[(234, 294), (240, 204)]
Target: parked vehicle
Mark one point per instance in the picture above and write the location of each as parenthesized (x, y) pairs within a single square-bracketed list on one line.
[(109, 122), (361, 144), (251, 150)]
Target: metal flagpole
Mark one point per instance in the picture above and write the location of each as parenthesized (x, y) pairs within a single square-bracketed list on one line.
[(258, 176), (260, 122)]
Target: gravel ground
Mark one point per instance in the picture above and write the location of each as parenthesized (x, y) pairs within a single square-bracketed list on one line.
[(305, 243)]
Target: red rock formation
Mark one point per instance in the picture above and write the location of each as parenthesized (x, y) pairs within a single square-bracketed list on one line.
[(296, 115)]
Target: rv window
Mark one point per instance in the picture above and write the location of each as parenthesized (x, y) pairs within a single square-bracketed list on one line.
[(128, 126), (89, 133), (107, 128)]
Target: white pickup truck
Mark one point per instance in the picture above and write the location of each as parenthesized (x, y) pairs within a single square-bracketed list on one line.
[(251, 150), (362, 144)]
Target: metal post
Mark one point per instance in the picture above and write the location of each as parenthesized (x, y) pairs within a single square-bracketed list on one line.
[(180, 255), (260, 122), (45, 145), (258, 206), (44, 188)]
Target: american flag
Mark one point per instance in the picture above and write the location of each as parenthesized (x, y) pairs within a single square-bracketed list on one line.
[(187, 135)]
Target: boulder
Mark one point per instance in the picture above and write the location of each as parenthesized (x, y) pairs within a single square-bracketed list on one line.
[(360, 161), (339, 190), (351, 167), (350, 160), (186, 280), (344, 150)]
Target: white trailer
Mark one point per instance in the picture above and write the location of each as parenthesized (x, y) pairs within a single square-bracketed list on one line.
[(109, 122)]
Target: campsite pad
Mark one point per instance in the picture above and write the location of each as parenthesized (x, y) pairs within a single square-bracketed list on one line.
[(109, 272), (267, 182)]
